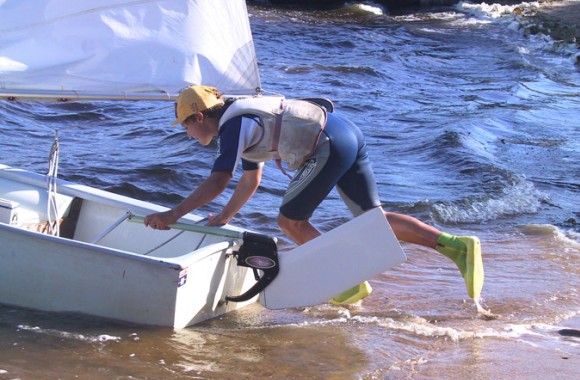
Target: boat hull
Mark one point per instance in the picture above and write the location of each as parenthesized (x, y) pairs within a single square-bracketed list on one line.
[(133, 274)]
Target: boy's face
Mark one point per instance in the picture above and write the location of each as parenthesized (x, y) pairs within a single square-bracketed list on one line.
[(198, 128)]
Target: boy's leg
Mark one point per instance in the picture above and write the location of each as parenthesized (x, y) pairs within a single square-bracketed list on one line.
[(314, 181), (465, 251), (300, 231)]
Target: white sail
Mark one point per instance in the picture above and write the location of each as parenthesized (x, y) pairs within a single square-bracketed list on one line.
[(115, 49)]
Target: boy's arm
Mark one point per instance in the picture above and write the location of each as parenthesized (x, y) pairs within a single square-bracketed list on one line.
[(246, 187)]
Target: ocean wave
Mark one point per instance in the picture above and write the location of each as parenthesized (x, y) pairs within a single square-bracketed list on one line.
[(333, 70), (568, 237), (520, 198)]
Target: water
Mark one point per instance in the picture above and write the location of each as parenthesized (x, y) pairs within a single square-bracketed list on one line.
[(472, 127)]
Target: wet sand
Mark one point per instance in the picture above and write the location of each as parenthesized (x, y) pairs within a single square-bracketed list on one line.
[(504, 359)]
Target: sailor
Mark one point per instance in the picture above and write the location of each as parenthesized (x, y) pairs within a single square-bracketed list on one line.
[(326, 150)]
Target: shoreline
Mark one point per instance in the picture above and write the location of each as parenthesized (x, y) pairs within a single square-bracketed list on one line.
[(555, 22), (560, 19)]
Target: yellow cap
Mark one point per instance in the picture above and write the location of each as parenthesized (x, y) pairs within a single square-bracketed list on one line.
[(195, 99)]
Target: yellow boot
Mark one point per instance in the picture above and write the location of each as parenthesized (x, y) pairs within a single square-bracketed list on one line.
[(465, 251), (352, 295)]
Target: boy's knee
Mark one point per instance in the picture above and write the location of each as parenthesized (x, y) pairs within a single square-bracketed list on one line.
[(300, 231), (284, 223), (289, 226)]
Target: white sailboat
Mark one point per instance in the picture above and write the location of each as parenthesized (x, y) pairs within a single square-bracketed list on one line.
[(72, 248)]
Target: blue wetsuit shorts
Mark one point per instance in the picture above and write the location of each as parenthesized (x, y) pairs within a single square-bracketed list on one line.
[(341, 160)]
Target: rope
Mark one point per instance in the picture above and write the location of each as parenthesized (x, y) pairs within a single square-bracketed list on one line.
[(52, 207)]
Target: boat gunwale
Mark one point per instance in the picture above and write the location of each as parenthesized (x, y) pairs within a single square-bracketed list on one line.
[(177, 263), (117, 201)]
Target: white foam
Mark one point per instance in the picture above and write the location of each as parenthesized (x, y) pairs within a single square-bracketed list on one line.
[(496, 11), (569, 238), (422, 328), (535, 334), (67, 335), (374, 9), (516, 17), (106, 338), (483, 312)]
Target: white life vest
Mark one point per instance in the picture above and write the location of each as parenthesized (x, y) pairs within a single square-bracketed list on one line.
[(290, 129)]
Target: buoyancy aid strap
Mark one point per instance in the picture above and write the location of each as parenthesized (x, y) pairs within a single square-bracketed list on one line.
[(278, 127), (276, 137), (279, 165)]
